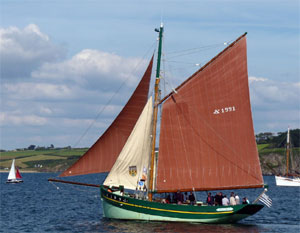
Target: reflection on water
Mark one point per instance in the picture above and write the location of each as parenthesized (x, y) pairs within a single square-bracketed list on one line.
[(138, 226)]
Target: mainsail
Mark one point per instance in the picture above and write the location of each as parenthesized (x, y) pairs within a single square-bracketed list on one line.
[(12, 172), (207, 138), (102, 155), (132, 164)]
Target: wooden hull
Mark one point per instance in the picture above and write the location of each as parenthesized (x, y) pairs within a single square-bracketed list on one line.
[(287, 181), (116, 206)]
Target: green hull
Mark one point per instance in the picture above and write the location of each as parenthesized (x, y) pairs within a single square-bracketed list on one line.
[(117, 206)]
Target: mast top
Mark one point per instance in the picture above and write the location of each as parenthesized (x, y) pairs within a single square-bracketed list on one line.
[(160, 28)]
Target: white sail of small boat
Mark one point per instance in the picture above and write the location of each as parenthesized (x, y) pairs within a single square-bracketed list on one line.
[(14, 175), (287, 180)]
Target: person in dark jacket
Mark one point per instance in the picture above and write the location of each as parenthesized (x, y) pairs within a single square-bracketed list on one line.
[(218, 198), (210, 199), (192, 199), (179, 197)]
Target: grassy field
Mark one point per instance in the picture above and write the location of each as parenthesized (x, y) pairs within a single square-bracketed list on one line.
[(264, 149), (40, 159), (260, 147)]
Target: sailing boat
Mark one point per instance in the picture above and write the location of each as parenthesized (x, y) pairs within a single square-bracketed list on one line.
[(287, 180), (14, 175), (206, 143)]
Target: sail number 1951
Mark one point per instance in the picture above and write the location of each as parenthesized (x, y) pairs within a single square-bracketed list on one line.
[(224, 110)]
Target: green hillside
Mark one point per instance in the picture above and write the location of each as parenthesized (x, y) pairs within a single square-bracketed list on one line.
[(41, 160)]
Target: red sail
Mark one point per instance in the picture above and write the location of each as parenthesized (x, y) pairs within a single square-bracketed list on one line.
[(207, 139), (102, 155), (18, 175)]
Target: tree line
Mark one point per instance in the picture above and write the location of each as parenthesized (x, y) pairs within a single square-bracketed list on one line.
[(279, 140)]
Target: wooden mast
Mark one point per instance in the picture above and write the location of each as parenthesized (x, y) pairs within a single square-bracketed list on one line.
[(287, 152), (156, 101)]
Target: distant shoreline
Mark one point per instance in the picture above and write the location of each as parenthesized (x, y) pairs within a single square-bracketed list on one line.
[(21, 171)]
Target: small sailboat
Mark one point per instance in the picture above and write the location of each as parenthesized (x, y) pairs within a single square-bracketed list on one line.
[(206, 142), (288, 179), (14, 175)]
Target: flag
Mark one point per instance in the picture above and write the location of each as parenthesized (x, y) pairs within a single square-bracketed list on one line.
[(264, 198)]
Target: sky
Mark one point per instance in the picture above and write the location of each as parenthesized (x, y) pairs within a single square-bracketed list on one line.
[(68, 67)]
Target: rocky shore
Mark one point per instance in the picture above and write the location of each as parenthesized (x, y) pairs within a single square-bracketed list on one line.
[(275, 164)]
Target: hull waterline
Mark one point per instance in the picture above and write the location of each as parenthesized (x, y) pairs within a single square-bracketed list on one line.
[(116, 206), (14, 181)]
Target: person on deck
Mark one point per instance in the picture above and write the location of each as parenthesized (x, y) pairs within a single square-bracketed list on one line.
[(192, 198), (179, 197), (225, 201), (218, 198), (232, 199), (245, 201), (210, 199)]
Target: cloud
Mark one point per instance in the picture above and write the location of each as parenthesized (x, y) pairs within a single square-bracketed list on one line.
[(45, 110), (23, 50), (269, 94), (36, 91), (92, 69), (275, 105), (255, 79), (9, 118)]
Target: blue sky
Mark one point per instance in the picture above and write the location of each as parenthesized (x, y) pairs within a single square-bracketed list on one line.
[(62, 61)]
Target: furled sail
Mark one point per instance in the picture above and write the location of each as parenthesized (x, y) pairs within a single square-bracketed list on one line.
[(102, 155), (132, 164), (207, 138)]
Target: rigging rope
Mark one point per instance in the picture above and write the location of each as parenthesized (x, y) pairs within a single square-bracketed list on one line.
[(188, 65), (195, 50), (112, 97)]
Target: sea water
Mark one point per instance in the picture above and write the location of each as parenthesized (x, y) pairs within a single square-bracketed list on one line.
[(39, 206)]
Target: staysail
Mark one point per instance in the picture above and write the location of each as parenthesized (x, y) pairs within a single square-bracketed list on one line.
[(102, 155), (207, 138), (18, 175), (133, 162)]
